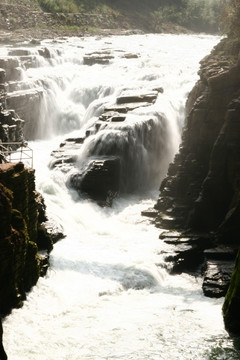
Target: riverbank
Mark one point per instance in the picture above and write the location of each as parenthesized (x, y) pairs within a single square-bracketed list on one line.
[(26, 21), (36, 35)]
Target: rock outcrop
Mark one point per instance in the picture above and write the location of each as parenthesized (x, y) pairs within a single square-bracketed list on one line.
[(11, 126), (20, 235), (26, 100), (200, 195), (119, 153)]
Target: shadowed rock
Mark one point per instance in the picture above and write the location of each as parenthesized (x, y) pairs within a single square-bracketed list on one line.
[(3, 355), (201, 191), (99, 179)]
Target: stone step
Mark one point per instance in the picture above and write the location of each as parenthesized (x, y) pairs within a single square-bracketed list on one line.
[(152, 213), (217, 277), (220, 253)]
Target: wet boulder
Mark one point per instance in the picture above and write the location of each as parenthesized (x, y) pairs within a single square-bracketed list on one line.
[(45, 53), (99, 179), (139, 98), (130, 56), (2, 75), (218, 268), (217, 277), (102, 57)]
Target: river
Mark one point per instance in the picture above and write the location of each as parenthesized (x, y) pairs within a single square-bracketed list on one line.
[(107, 294)]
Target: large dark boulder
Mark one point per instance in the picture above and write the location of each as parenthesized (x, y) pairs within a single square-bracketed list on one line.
[(99, 179)]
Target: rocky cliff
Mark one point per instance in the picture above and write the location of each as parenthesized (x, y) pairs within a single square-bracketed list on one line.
[(21, 235), (200, 197)]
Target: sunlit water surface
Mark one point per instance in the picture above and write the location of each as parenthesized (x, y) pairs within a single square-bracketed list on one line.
[(107, 294)]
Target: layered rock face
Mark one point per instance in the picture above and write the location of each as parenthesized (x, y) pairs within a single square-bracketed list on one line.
[(119, 153), (11, 126), (200, 195), (15, 94), (21, 235)]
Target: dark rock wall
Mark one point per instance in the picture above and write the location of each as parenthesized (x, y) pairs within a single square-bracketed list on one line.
[(201, 193), (199, 187), (231, 305), (19, 227)]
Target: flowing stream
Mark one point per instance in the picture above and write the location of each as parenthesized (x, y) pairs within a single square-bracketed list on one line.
[(107, 294)]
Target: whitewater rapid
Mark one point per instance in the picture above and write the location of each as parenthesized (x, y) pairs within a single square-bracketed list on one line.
[(107, 294)]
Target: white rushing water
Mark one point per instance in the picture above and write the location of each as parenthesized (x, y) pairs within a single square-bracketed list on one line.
[(107, 295)]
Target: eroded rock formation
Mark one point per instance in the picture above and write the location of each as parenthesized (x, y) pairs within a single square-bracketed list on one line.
[(200, 195), (16, 94), (20, 235)]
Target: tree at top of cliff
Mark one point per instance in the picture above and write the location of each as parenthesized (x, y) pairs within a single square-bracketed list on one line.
[(231, 18)]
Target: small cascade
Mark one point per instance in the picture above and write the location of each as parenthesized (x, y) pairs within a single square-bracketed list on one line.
[(119, 152), (121, 106)]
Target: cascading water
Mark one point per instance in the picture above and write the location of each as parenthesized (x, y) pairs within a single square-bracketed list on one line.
[(107, 294)]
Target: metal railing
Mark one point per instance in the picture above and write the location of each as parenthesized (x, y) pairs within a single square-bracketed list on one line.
[(15, 152)]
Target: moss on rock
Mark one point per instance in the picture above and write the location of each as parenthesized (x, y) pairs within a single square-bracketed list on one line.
[(231, 306)]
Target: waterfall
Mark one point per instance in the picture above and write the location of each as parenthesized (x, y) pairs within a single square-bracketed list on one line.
[(107, 294)]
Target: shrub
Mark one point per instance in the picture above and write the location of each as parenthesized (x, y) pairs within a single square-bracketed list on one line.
[(54, 6), (230, 18), (198, 15)]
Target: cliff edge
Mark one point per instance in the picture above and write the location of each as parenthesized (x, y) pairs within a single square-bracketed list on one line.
[(200, 197), (21, 235)]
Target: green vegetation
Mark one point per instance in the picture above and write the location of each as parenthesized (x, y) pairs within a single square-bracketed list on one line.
[(197, 15), (231, 305), (64, 6), (150, 15), (231, 17)]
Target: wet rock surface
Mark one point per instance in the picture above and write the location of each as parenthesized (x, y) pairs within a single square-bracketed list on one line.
[(20, 238), (217, 277), (102, 58), (99, 179), (114, 148)]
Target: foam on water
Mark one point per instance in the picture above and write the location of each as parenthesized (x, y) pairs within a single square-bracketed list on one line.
[(107, 294)]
